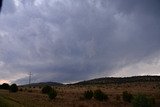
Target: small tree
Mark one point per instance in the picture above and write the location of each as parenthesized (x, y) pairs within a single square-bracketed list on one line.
[(50, 92), (99, 95), (5, 86), (47, 89), (141, 100), (13, 88), (127, 97), (20, 89), (88, 94), (52, 95)]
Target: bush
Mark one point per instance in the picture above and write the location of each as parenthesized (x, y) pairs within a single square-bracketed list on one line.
[(46, 89), (52, 94), (88, 94), (100, 96), (5, 86), (127, 97), (142, 101), (20, 89), (118, 97), (13, 88), (30, 91)]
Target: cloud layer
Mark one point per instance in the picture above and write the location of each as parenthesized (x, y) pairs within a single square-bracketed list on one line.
[(72, 40)]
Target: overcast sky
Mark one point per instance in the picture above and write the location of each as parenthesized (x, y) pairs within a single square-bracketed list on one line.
[(72, 40)]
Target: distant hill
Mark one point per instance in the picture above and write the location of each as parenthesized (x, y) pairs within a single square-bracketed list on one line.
[(120, 80), (105, 80), (43, 84)]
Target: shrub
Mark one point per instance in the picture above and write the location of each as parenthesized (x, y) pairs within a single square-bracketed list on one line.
[(13, 88), (5, 86), (141, 100), (30, 91), (88, 94), (46, 89), (52, 94), (118, 97), (20, 89), (100, 96), (127, 97)]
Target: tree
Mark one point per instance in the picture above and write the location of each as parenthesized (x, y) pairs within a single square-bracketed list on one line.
[(99, 95), (5, 86), (88, 94), (13, 88), (52, 95), (141, 100), (127, 97), (47, 89)]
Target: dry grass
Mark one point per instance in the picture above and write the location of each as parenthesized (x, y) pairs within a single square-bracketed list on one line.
[(72, 96)]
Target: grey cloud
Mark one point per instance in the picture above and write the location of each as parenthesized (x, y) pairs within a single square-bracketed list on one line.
[(72, 40), (8, 6), (143, 6)]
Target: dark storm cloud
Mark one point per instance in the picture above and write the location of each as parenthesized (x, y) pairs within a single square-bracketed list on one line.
[(1, 3), (70, 40)]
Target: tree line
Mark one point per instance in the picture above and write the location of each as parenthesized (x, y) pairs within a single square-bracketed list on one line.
[(11, 88)]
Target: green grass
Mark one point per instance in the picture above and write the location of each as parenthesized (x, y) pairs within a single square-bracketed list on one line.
[(6, 102)]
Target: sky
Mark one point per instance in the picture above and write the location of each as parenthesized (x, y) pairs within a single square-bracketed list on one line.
[(72, 40)]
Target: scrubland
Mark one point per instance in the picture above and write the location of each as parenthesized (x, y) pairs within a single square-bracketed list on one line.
[(72, 95)]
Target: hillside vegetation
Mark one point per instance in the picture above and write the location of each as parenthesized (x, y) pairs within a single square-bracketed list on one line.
[(120, 80), (130, 92)]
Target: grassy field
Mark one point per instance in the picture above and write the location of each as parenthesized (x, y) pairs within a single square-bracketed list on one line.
[(7, 101), (72, 96)]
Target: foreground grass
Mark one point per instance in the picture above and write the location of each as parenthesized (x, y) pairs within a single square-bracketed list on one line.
[(68, 98), (72, 96), (7, 102)]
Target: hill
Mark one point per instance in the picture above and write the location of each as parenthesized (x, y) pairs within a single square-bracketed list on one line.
[(120, 80), (104, 80), (43, 84)]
